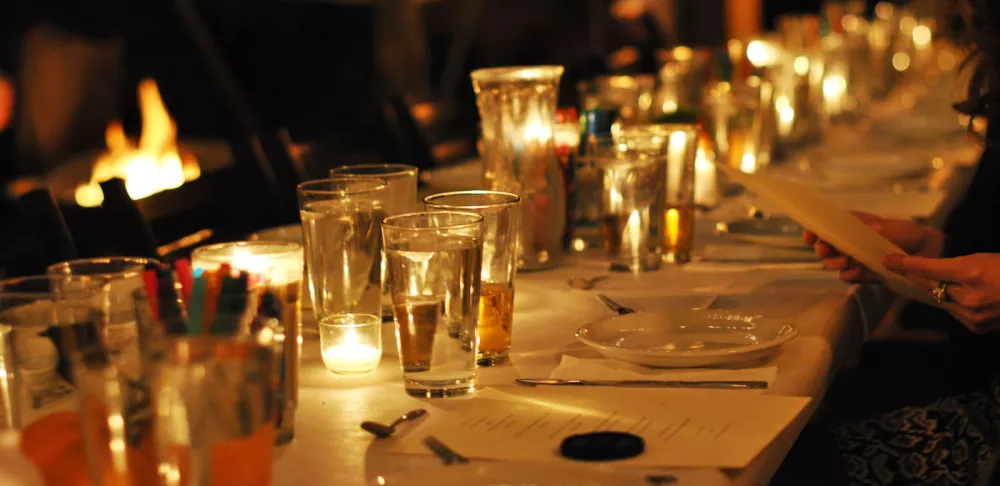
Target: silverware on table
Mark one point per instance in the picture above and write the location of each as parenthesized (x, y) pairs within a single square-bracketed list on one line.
[(447, 455), (620, 309), (725, 384), (382, 431), (661, 479), (582, 283)]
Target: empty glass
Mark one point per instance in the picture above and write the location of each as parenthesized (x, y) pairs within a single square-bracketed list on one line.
[(501, 214), (401, 196), (631, 200), (341, 218), (435, 263), (40, 340)]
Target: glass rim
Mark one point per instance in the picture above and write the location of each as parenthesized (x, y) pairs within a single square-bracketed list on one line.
[(23, 294), (64, 269), (545, 72), (477, 220), (396, 170), (661, 127), (307, 187), (370, 320), (285, 247), (512, 200)]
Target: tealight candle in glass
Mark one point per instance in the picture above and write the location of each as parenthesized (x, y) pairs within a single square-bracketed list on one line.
[(279, 266), (351, 344)]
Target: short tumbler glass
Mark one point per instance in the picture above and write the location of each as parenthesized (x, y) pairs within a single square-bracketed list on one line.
[(501, 214), (435, 263)]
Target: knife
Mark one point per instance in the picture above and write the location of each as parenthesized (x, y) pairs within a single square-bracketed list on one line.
[(727, 384)]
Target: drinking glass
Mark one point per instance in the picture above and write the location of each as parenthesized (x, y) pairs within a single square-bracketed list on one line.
[(213, 405), (341, 218), (40, 340), (677, 145), (435, 263), (631, 201), (279, 266), (737, 126), (401, 196), (630, 95), (108, 284), (501, 215), (517, 106)]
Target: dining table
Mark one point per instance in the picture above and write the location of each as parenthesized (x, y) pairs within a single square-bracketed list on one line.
[(833, 320)]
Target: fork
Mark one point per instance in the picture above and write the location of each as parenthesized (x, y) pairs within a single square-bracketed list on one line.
[(620, 309), (447, 455)]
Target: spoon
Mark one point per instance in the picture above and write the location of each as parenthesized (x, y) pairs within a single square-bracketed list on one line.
[(582, 283), (382, 431)]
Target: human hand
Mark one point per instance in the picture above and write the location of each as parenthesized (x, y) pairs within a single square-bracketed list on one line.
[(913, 238), (973, 289)]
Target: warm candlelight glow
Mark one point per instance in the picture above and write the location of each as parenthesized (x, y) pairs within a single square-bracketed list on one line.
[(705, 182), (763, 53), (635, 235), (351, 356), (801, 65), (901, 61), (536, 131), (673, 229), (351, 344), (922, 36), (786, 115), (834, 89)]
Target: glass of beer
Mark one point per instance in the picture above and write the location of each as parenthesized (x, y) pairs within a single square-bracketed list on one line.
[(631, 202), (341, 221), (677, 145), (501, 215), (435, 263)]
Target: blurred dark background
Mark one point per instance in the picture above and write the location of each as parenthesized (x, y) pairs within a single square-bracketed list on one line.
[(295, 87)]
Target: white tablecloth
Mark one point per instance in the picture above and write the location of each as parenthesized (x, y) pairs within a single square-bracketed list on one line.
[(833, 320)]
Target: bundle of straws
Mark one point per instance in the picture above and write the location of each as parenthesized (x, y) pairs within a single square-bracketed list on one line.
[(204, 302)]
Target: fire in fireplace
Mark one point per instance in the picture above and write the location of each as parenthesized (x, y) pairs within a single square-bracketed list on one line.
[(152, 165)]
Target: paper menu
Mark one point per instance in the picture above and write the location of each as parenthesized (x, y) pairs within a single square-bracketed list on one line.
[(680, 429), (832, 223)]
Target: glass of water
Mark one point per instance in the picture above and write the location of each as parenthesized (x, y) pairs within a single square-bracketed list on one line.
[(401, 179), (501, 212), (435, 261), (341, 221), (631, 202)]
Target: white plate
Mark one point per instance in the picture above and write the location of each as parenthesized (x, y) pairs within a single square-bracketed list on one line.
[(778, 231), (687, 338)]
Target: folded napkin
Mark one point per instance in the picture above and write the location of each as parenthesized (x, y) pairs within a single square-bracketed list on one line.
[(573, 368)]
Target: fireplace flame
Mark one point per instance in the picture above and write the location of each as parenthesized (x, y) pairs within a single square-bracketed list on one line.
[(151, 166)]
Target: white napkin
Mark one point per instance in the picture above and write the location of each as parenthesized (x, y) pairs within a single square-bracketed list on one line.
[(573, 368)]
